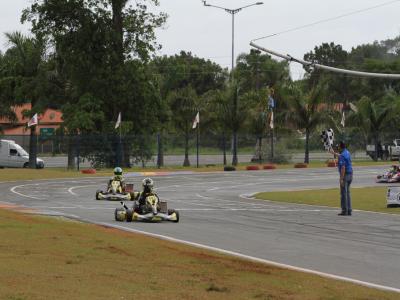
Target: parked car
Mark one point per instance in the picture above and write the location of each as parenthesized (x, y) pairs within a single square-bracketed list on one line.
[(13, 155), (385, 152)]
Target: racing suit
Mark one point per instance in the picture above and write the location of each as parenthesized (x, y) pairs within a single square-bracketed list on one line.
[(120, 179), (141, 196)]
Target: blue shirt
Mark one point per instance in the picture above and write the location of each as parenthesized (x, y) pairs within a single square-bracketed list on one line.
[(345, 160)]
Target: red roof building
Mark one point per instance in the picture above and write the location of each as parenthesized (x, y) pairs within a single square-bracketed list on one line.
[(51, 118)]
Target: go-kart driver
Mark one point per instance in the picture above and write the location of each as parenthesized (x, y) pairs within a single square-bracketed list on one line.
[(148, 185), (117, 177)]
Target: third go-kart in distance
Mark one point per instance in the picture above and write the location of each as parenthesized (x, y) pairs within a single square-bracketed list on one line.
[(116, 189), (390, 176)]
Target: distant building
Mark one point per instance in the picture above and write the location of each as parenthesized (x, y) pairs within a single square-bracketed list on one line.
[(18, 131), (50, 119)]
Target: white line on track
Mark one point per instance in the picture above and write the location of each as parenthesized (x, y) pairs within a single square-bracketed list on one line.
[(255, 259), (13, 189), (71, 189)]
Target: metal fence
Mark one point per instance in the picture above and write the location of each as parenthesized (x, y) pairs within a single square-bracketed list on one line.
[(107, 150)]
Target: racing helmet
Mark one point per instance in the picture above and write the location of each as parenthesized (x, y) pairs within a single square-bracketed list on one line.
[(148, 184), (118, 171)]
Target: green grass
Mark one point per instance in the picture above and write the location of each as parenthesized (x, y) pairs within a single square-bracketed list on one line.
[(47, 258), (369, 199)]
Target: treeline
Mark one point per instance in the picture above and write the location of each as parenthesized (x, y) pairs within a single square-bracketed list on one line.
[(95, 58)]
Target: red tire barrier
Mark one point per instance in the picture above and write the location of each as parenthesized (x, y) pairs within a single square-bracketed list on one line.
[(331, 164), (300, 165), (269, 167), (252, 168), (88, 171)]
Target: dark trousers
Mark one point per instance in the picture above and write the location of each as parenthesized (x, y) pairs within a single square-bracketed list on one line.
[(345, 198)]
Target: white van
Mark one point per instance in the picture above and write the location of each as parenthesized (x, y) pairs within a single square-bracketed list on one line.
[(13, 155)]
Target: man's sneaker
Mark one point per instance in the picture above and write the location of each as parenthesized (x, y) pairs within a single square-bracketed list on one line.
[(342, 214)]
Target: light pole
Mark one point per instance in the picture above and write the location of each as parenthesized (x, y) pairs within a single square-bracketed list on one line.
[(233, 12)]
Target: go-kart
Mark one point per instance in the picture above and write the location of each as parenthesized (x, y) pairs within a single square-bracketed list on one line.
[(153, 210), (115, 192), (390, 176)]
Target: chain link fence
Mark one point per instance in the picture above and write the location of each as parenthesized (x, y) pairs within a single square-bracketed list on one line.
[(100, 151)]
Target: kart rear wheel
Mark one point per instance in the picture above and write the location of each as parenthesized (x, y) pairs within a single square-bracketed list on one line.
[(129, 215)]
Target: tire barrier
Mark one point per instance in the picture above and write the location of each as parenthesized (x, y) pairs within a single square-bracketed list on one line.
[(331, 164), (300, 165), (269, 167), (88, 171), (252, 168)]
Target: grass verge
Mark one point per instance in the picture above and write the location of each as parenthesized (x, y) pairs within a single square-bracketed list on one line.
[(369, 199), (48, 258)]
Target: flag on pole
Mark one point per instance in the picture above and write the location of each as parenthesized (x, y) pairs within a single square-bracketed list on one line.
[(271, 120), (196, 120), (353, 108), (118, 121), (343, 119), (33, 121)]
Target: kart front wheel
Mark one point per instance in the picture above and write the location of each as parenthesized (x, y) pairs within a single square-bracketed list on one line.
[(177, 217), (171, 211), (97, 194)]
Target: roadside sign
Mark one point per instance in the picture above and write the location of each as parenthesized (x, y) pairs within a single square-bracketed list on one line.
[(393, 196), (47, 131)]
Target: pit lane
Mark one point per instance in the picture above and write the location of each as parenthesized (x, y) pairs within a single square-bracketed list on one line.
[(216, 212)]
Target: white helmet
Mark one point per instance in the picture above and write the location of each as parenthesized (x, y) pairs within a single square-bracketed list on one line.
[(148, 182)]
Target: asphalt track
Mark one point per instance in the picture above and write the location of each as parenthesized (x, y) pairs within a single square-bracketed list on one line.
[(217, 212)]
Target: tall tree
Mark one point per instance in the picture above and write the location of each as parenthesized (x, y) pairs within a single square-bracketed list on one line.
[(32, 78), (255, 71), (184, 105), (338, 85), (372, 118), (102, 48), (305, 111)]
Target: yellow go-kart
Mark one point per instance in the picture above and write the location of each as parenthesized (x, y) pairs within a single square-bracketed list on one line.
[(115, 192), (153, 210)]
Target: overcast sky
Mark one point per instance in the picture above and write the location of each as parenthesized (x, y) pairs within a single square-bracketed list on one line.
[(206, 31)]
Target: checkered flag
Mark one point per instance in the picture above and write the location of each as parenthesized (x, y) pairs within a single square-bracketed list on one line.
[(327, 138)]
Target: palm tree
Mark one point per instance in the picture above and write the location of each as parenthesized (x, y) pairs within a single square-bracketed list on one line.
[(230, 115), (372, 118), (26, 58), (304, 111), (184, 105), (6, 91)]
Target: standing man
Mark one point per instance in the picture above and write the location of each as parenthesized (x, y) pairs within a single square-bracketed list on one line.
[(346, 177)]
